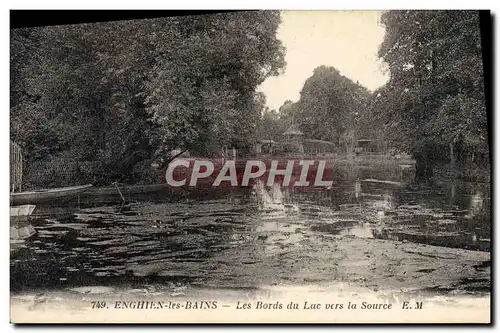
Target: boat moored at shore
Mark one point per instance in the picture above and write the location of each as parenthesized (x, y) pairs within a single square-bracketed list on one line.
[(47, 195)]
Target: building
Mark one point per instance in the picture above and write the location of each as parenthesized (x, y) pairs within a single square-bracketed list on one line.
[(293, 139), (314, 147), (264, 146), (365, 146)]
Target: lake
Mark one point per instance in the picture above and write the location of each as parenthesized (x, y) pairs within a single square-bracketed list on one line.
[(370, 229)]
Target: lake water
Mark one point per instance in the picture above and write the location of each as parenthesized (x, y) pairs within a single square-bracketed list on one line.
[(245, 238)]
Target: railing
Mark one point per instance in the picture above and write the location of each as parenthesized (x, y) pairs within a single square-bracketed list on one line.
[(16, 167)]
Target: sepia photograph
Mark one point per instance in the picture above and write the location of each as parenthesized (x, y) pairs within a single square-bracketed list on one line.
[(264, 166)]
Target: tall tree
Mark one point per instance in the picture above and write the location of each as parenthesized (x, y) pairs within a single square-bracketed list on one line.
[(434, 102), (330, 106), (117, 93), (208, 71)]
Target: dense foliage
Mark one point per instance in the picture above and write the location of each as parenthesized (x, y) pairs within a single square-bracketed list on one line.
[(113, 94), (434, 105), (330, 108)]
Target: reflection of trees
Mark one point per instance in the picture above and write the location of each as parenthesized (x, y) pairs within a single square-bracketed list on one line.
[(473, 197), (477, 203)]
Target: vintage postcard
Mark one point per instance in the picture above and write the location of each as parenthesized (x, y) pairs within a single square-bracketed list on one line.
[(251, 167)]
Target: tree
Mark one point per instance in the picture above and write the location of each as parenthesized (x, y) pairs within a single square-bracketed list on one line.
[(118, 93), (271, 126), (434, 102), (330, 106), (208, 72), (86, 79)]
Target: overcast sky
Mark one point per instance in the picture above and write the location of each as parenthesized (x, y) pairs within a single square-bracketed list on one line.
[(346, 40)]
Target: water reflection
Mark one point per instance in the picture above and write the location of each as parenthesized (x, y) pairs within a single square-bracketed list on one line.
[(390, 212), (247, 238), (476, 204)]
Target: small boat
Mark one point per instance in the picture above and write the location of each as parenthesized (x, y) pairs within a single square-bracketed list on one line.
[(47, 195), (21, 213), (20, 229), (22, 233), (388, 182)]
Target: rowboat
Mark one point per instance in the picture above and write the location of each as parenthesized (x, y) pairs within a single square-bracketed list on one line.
[(388, 182), (20, 229), (47, 195), (22, 233), (21, 213)]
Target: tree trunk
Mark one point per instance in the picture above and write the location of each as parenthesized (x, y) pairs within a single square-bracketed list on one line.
[(424, 169), (170, 159), (452, 156)]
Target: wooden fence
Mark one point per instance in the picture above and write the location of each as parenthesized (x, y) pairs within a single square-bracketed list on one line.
[(16, 167)]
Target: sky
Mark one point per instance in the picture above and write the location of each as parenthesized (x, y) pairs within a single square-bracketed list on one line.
[(346, 40)]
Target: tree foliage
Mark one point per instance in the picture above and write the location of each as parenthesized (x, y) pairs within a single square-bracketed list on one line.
[(329, 108), (117, 93), (434, 103), (272, 126)]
